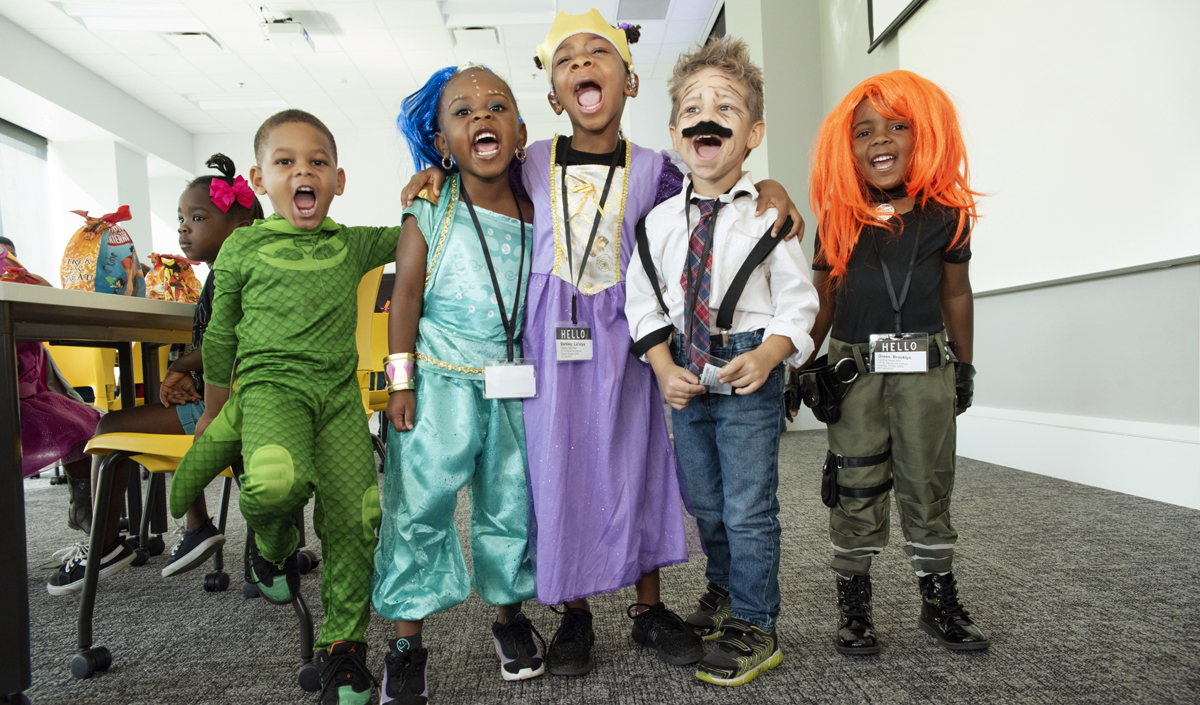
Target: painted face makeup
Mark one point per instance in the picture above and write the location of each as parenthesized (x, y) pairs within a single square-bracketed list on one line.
[(479, 123), (714, 130), (882, 147)]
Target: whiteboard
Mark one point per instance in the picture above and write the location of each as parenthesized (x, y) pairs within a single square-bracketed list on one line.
[(1080, 118)]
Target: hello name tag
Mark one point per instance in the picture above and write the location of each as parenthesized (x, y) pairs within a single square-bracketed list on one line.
[(505, 380), (572, 343), (900, 353)]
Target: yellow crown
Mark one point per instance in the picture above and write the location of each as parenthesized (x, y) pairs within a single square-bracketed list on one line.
[(591, 22)]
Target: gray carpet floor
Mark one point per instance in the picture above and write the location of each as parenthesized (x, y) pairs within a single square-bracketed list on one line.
[(1089, 596)]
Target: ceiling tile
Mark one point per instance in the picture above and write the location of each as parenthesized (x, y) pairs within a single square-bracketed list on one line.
[(224, 15), (689, 31), (191, 84), (245, 41), (225, 63), (411, 13), (110, 64), (422, 39), (36, 15), (338, 80), (166, 102), (167, 65), (367, 40), (264, 64), (241, 82), (354, 97), (142, 84), (354, 15), (297, 81), (137, 43), (698, 10), (325, 62), (310, 100), (379, 60)]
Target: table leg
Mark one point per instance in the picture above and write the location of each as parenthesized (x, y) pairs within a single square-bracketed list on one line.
[(14, 588), (133, 491)]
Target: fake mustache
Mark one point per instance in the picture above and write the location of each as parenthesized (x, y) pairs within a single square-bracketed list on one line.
[(707, 127)]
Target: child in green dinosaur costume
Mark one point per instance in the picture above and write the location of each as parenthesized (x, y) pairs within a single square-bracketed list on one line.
[(284, 315)]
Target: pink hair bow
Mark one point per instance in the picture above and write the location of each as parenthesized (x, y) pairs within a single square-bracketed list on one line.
[(223, 195)]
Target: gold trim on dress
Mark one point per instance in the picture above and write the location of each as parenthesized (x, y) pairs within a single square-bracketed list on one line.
[(586, 288), (445, 229), (448, 366)]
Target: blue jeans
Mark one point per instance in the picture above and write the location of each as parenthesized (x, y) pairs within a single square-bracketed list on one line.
[(728, 450)]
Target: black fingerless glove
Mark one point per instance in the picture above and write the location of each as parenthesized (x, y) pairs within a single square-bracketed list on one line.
[(964, 384)]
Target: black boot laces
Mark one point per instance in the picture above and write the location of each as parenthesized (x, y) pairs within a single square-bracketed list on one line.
[(344, 666), (854, 598), (520, 631), (944, 594), (673, 624)]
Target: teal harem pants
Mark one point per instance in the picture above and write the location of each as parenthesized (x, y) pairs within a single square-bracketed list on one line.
[(459, 438), (298, 444), (913, 415)]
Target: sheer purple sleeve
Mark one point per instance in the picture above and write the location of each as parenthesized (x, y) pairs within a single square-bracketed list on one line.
[(670, 182), (514, 180)]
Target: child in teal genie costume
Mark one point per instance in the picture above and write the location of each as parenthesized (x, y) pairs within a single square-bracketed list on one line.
[(284, 313)]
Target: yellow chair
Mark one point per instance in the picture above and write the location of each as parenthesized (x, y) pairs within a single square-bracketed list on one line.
[(89, 367), (370, 336)]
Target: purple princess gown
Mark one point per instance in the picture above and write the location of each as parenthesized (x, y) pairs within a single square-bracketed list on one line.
[(604, 491)]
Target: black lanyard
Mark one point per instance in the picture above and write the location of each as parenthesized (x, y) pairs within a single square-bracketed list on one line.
[(587, 250), (509, 323), (693, 288), (898, 304)]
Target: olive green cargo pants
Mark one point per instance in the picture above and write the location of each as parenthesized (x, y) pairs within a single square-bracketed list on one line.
[(913, 415)]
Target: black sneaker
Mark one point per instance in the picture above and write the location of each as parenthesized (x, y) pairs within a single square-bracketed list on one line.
[(193, 549), (713, 610), (675, 641), (570, 652), (520, 656), (266, 576), (345, 679), (743, 653), (404, 675), (69, 578)]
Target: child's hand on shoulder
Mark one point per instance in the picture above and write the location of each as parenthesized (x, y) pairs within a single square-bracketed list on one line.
[(402, 410), (431, 177), (679, 386), (772, 194)]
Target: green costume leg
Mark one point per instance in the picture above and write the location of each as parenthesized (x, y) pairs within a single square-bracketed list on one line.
[(220, 445), (346, 515), (913, 415), (277, 437), (503, 574)]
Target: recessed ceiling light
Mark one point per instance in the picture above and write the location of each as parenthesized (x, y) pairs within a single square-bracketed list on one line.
[(221, 101), (105, 16)]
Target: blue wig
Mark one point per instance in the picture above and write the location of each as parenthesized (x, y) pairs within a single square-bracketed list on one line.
[(418, 119)]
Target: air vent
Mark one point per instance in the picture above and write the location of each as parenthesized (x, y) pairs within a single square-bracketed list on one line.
[(194, 42), (476, 37), (643, 9)]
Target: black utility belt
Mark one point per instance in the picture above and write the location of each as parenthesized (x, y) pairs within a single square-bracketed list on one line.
[(824, 385)]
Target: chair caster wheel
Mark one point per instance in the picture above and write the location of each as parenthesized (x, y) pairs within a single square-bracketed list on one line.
[(216, 582), (142, 556), (309, 677), (249, 590), (86, 663), (306, 561), (157, 545)]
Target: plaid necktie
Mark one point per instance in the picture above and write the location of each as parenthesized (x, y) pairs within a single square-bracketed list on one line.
[(698, 334)]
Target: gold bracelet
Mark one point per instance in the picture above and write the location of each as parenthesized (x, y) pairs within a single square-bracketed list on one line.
[(398, 368)]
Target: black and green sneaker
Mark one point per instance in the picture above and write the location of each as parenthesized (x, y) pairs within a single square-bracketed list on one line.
[(345, 678), (713, 610), (742, 653), (278, 583)]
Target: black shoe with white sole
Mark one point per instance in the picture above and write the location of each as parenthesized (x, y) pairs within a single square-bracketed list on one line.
[(69, 578), (193, 549), (520, 656)]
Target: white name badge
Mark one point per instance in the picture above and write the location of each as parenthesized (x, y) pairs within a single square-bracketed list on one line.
[(509, 380), (900, 353), (572, 343), (708, 377)]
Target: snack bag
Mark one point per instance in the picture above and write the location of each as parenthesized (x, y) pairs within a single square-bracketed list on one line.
[(12, 271), (100, 257), (171, 279)]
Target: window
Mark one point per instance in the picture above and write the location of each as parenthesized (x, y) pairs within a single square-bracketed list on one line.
[(24, 198)]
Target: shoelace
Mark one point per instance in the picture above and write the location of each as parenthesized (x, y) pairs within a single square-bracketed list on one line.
[(854, 598), (947, 598), (656, 614), (408, 660), (571, 628), (519, 626), (341, 677), (71, 556)]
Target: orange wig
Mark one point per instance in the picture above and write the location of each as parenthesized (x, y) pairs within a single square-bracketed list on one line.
[(937, 169)]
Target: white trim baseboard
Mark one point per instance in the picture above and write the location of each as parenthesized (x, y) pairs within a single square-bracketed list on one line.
[(1156, 461)]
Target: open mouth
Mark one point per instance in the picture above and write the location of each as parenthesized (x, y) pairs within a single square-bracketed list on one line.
[(305, 201), (883, 162), (486, 145), (707, 146), (588, 96)]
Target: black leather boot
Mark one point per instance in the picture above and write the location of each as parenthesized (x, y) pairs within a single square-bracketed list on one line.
[(79, 508), (856, 632), (944, 618)]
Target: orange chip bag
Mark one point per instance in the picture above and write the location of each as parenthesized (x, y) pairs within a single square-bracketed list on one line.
[(171, 278), (100, 257)]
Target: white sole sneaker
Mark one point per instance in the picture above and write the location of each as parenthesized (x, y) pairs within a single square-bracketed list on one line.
[(114, 567), (524, 673), (196, 557)]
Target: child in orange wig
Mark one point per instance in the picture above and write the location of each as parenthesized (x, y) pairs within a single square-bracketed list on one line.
[(890, 191)]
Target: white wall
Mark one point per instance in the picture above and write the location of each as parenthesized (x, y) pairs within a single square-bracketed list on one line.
[(133, 190), (1073, 112)]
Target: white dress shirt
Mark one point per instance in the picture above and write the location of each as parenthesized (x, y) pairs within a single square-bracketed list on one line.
[(779, 296)]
